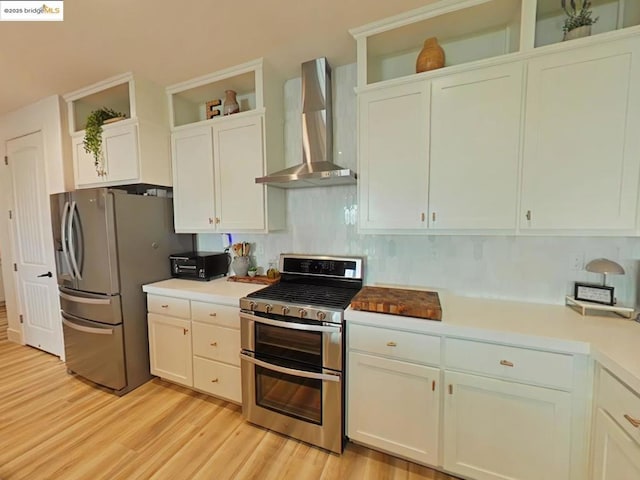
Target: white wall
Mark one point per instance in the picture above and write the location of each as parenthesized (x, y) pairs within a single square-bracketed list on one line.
[(534, 269)]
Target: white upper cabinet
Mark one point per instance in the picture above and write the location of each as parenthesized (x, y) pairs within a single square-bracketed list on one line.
[(475, 148), (582, 156), (520, 132), (135, 149), (217, 158), (394, 160), (194, 198)]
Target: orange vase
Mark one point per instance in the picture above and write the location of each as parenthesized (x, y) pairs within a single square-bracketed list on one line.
[(430, 57)]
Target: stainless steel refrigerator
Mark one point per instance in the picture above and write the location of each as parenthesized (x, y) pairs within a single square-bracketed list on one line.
[(108, 243)]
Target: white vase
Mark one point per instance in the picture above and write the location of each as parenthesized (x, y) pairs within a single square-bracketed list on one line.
[(583, 31), (240, 266)]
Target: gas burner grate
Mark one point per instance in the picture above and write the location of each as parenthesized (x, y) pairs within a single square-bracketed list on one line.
[(305, 294)]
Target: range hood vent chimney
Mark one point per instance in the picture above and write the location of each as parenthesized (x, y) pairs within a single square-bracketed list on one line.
[(317, 168)]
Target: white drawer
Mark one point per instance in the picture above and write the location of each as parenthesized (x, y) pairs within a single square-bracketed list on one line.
[(620, 402), (216, 343), (510, 363), (218, 379), (218, 314), (413, 347), (175, 307)]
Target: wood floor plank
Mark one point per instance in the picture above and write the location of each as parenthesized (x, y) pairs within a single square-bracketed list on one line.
[(57, 426)]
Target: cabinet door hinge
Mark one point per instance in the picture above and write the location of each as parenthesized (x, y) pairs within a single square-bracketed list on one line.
[(21, 319), (15, 267), (6, 160)]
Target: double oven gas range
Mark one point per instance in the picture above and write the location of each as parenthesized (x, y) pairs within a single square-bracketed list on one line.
[(293, 350)]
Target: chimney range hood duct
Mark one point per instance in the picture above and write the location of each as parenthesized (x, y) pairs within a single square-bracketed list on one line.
[(317, 168)]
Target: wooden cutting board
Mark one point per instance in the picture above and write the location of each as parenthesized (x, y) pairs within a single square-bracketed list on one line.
[(398, 301), (263, 279)]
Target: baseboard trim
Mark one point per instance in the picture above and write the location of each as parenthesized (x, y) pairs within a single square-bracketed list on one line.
[(14, 336)]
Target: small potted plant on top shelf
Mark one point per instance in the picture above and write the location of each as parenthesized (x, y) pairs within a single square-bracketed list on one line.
[(93, 134), (579, 20)]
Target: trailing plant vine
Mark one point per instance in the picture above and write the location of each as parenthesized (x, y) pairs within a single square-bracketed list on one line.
[(93, 133)]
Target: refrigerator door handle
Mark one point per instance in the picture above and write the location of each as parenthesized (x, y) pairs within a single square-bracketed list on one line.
[(63, 238), (82, 328), (89, 301), (72, 246)]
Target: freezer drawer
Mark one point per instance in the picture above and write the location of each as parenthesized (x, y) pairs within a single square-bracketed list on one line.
[(95, 351), (91, 306)]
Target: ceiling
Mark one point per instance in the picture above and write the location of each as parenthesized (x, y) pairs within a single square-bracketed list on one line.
[(169, 42)]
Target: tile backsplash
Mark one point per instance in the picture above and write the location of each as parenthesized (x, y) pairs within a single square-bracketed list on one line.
[(321, 221)]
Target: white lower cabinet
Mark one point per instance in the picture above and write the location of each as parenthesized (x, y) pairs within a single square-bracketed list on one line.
[(394, 402), (395, 406), (201, 349), (616, 437), (494, 429), (616, 455), (170, 348)]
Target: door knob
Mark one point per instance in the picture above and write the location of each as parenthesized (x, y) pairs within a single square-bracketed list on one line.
[(48, 274)]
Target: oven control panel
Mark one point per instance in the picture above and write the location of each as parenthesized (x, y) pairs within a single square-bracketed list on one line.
[(302, 312)]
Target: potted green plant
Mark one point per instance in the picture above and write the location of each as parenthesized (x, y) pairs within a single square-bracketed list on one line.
[(93, 133), (579, 20)]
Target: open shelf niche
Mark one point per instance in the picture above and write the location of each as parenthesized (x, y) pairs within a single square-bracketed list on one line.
[(188, 100)]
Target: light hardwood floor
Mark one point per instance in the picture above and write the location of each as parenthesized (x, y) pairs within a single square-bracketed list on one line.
[(55, 426)]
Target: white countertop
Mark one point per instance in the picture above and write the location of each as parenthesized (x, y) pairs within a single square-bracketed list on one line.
[(612, 340), (218, 291)]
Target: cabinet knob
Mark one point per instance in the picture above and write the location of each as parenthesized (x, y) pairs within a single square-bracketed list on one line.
[(215, 380), (392, 344), (528, 215), (210, 221), (633, 421), (450, 389), (433, 216), (433, 386), (214, 344), (217, 220), (185, 331), (422, 217), (506, 363)]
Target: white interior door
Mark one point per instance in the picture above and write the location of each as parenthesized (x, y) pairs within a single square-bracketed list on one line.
[(37, 294)]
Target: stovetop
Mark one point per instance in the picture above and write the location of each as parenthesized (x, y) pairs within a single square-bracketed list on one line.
[(313, 287), (307, 294)]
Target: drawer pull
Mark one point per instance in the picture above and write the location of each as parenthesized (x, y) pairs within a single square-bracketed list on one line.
[(185, 331), (633, 421), (165, 306), (450, 389), (214, 344), (392, 344), (212, 314), (506, 363), (215, 380), (433, 386)]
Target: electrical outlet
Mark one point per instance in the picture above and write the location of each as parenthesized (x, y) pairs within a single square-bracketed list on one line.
[(577, 262)]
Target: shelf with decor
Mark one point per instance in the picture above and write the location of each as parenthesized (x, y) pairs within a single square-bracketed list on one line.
[(609, 15), (119, 133), (474, 30), (205, 98)]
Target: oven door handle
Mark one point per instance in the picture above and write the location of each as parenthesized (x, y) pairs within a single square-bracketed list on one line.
[(291, 325), (329, 377)]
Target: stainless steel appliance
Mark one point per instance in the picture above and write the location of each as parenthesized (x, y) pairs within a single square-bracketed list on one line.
[(108, 243), (199, 265), (317, 168), (293, 350)]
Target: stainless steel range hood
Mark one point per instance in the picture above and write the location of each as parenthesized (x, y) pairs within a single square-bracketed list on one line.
[(317, 169)]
